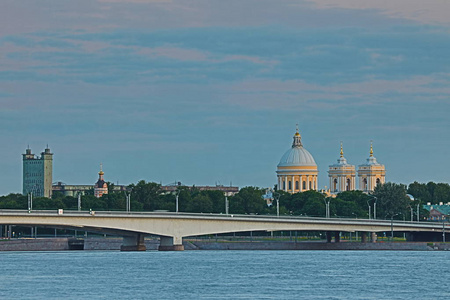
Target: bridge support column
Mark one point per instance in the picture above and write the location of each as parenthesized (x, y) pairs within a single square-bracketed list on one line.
[(363, 237), (410, 236), (337, 237), (328, 236), (170, 243), (133, 243), (374, 237)]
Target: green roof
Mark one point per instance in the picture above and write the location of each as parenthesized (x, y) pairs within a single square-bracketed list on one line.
[(443, 209)]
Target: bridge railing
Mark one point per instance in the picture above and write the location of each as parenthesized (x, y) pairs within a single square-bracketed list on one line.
[(193, 215)]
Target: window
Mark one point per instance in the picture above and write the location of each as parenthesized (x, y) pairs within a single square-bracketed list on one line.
[(290, 185), (296, 185), (304, 185)]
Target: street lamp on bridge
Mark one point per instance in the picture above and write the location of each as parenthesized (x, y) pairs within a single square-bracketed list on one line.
[(374, 206), (327, 207)]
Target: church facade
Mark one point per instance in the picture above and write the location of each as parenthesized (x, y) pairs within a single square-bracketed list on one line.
[(297, 171)]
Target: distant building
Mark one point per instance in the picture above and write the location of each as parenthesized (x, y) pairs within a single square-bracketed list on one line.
[(227, 190), (37, 173), (297, 170), (342, 175), (82, 189), (371, 173), (101, 187), (438, 212)]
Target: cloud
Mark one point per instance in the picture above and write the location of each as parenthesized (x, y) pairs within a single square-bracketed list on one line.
[(429, 12), (206, 55)]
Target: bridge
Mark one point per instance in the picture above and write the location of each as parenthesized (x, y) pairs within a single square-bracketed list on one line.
[(173, 227)]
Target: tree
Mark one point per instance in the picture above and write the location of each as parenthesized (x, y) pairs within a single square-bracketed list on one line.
[(47, 203), (201, 203), (146, 193), (392, 199), (248, 200), (14, 201), (352, 204)]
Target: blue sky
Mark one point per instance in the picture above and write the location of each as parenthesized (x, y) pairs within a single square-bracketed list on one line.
[(207, 92)]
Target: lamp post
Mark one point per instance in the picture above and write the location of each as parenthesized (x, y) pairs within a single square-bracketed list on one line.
[(392, 226), (277, 197), (177, 193), (79, 201), (443, 229), (128, 200), (30, 202), (418, 212), (370, 213), (412, 214), (327, 207), (374, 206), (226, 204)]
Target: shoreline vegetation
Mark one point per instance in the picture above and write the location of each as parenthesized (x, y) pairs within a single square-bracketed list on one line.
[(391, 202)]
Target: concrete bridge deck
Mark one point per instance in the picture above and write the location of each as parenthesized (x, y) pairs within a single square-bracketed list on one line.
[(172, 227)]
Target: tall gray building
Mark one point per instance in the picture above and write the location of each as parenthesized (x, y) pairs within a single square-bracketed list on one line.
[(38, 173)]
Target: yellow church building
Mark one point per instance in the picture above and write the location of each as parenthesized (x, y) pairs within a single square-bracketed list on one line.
[(297, 172)]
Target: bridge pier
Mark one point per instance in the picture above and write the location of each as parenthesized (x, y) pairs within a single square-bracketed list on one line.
[(133, 243), (329, 237), (337, 237), (374, 237), (363, 237), (170, 243)]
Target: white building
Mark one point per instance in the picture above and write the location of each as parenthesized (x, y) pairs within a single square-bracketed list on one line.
[(342, 175), (371, 173), (297, 170)]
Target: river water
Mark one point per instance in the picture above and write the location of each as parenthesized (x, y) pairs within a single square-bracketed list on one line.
[(225, 275)]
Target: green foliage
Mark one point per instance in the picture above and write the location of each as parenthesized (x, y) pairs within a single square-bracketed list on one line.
[(14, 201), (146, 193), (248, 200), (392, 199), (47, 203), (148, 196), (430, 192), (352, 204)]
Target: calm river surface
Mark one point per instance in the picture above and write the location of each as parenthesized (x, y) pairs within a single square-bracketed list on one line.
[(225, 275)]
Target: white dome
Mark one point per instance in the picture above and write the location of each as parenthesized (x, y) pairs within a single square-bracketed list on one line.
[(297, 156)]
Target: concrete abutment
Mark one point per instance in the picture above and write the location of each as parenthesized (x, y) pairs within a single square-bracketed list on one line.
[(169, 243), (133, 243)]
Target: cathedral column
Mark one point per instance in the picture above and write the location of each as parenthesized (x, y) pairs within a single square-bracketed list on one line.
[(285, 183), (292, 184), (307, 183)]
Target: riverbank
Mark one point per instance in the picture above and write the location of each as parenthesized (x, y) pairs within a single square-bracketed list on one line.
[(93, 244)]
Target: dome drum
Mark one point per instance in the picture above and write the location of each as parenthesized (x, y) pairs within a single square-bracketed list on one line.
[(297, 170)]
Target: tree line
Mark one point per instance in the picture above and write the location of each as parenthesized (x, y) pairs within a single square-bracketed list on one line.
[(391, 201)]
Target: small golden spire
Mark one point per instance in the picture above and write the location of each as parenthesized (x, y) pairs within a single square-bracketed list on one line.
[(101, 170), (296, 130), (371, 149), (297, 139), (342, 150)]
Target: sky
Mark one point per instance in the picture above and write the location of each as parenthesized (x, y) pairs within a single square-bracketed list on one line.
[(210, 92)]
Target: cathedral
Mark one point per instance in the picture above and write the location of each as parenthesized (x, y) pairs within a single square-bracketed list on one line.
[(297, 171)]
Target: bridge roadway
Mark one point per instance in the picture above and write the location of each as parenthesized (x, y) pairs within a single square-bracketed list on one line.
[(172, 227)]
